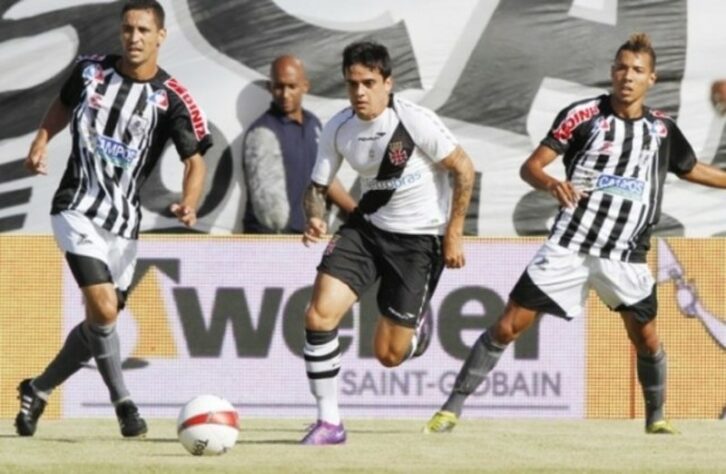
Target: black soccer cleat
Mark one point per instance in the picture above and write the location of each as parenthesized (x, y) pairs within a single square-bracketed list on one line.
[(31, 407), (129, 420)]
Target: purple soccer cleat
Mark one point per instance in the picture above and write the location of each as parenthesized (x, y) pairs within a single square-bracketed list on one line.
[(322, 433)]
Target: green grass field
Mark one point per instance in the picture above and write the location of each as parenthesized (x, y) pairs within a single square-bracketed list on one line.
[(80, 446)]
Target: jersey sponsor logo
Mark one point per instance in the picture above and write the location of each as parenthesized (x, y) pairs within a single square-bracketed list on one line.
[(659, 129), (331, 245), (95, 101), (389, 184), (199, 125), (576, 116), (159, 99), (372, 138), (629, 188), (117, 153), (83, 239), (403, 316), (541, 261), (396, 154), (91, 57), (93, 73), (606, 148)]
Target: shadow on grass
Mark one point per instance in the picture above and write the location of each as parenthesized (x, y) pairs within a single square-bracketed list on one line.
[(34, 439), (271, 430), (268, 441)]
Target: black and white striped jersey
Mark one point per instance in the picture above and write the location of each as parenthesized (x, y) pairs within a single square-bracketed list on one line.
[(119, 128), (622, 164)]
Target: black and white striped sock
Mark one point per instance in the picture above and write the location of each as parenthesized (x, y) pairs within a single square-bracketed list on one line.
[(322, 362)]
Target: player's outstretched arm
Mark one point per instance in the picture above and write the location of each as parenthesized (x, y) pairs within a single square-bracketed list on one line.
[(532, 171), (314, 206), (462, 169), (55, 120), (194, 172), (707, 175)]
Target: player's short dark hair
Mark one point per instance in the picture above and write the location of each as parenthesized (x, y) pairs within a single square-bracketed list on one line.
[(152, 5), (638, 43), (369, 54)]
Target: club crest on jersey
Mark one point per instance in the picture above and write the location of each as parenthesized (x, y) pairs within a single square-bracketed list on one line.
[(93, 74), (159, 99), (396, 154), (138, 125)]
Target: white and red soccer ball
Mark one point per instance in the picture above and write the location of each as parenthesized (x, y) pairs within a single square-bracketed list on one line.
[(208, 425)]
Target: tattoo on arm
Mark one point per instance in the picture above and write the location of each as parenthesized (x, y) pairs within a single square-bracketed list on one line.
[(314, 201), (463, 172)]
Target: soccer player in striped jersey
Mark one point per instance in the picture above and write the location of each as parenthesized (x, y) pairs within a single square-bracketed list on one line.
[(122, 110), (406, 228), (617, 153)]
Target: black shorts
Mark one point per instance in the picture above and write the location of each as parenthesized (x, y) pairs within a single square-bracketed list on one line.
[(409, 267)]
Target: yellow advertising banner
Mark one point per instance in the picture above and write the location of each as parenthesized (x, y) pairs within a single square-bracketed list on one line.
[(691, 320), (30, 315)]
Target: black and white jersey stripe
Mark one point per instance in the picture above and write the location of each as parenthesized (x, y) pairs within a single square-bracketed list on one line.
[(622, 165), (119, 128)]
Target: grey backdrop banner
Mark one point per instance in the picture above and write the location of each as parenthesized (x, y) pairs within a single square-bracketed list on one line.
[(497, 81)]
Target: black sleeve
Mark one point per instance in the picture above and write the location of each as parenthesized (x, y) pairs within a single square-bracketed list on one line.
[(188, 126), (556, 139), (70, 93), (681, 157)]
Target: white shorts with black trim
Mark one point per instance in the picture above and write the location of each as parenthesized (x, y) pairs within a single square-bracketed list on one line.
[(564, 277), (76, 233)]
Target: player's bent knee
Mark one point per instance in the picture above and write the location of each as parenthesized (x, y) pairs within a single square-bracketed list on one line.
[(319, 321), (104, 311), (504, 332), (390, 358)]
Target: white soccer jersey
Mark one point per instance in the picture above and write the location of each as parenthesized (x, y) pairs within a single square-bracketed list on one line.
[(403, 189)]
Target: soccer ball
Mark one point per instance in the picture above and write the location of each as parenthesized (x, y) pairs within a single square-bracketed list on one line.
[(208, 425)]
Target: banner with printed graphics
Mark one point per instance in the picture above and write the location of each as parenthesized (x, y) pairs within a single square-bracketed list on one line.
[(496, 71), (226, 317)]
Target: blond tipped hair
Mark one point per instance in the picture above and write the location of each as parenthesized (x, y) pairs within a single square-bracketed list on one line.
[(638, 43)]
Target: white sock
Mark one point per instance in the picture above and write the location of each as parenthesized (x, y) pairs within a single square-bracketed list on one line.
[(322, 362)]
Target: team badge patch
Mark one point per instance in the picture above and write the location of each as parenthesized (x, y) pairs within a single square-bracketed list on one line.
[(396, 154), (159, 99), (138, 125), (93, 73), (660, 129), (331, 245), (95, 101)]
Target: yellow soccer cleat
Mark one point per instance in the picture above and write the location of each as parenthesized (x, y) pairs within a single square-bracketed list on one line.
[(661, 427), (442, 422)]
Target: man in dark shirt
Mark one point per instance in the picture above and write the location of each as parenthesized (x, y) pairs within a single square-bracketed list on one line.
[(279, 154)]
